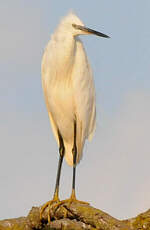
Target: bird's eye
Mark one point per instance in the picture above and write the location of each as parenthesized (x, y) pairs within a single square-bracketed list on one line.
[(75, 26)]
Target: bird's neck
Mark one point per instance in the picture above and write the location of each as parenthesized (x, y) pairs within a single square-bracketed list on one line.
[(64, 54)]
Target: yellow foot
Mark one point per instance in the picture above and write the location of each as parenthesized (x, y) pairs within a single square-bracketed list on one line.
[(71, 200), (48, 205)]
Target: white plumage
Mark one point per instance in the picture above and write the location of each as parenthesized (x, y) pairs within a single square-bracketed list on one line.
[(68, 86), (70, 96)]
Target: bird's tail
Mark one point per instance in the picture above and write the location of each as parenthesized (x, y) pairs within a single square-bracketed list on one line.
[(69, 155)]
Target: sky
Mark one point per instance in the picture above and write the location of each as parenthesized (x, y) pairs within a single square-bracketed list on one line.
[(114, 172)]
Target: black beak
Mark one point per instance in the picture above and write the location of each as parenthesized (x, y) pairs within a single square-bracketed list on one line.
[(90, 31)]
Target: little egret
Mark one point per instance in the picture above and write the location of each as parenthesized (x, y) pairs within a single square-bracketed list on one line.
[(69, 94)]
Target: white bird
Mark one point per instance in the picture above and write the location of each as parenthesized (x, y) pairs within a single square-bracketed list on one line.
[(69, 92)]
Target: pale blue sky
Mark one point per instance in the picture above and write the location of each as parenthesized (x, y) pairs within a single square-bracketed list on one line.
[(113, 174)]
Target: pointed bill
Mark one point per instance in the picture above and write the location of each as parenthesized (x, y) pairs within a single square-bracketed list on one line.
[(90, 31)]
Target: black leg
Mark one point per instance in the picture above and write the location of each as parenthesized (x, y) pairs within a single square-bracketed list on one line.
[(61, 156), (73, 195), (74, 152), (56, 197)]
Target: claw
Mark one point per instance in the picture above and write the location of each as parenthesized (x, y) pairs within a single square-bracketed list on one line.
[(56, 203), (47, 205), (71, 200)]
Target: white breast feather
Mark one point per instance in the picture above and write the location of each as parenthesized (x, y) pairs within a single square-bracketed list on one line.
[(69, 96)]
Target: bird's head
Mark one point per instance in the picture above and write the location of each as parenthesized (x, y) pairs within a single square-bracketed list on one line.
[(72, 24)]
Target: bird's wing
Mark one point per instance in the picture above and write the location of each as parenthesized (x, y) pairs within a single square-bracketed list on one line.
[(45, 90), (84, 93), (52, 121)]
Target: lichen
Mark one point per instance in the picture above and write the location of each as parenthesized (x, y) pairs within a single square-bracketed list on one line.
[(142, 221), (78, 217)]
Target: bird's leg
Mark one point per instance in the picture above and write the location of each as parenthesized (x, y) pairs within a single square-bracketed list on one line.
[(74, 152), (56, 193), (61, 153), (72, 198)]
